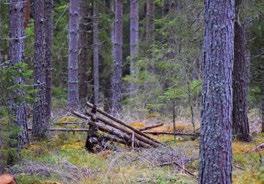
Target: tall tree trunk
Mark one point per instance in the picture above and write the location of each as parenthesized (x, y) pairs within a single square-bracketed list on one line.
[(216, 126), (84, 52), (262, 115), (134, 40), (73, 81), (48, 51), (96, 45), (240, 83), (16, 55), (150, 27), (116, 83), (40, 122)]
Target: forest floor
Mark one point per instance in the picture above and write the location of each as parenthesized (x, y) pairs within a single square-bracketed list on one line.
[(63, 159)]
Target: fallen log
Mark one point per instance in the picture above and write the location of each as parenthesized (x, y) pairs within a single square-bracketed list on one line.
[(105, 129), (151, 127), (137, 136), (171, 133), (181, 167), (122, 123), (66, 129)]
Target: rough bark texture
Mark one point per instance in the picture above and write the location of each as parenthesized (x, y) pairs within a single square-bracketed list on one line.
[(96, 45), (134, 39), (150, 27), (73, 81), (40, 122), (48, 52), (216, 126), (117, 58), (84, 51), (240, 83), (16, 55)]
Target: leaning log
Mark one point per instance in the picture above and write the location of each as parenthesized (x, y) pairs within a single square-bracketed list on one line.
[(137, 136), (105, 129), (171, 133), (121, 123), (151, 127)]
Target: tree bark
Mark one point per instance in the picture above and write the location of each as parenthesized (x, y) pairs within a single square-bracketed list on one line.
[(134, 40), (73, 79), (40, 122), (16, 55), (262, 115), (216, 126), (96, 45), (150, 27), (85, 43), (48, 51), (240, 83), (116, 83)]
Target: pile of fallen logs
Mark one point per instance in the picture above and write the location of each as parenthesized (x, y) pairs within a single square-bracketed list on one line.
[(102, 124)]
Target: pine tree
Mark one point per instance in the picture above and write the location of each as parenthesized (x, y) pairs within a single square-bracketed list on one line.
[(48, 51), (134, 39), (240, 82), (96, 45), (40, 122), (116, 83), (73, 80), (16, 56), (216, 126)]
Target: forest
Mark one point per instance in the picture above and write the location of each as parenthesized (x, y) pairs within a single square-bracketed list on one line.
[(131, 91)]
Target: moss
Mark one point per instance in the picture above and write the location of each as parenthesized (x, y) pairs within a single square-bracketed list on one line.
[(34, 179), (67, 119)]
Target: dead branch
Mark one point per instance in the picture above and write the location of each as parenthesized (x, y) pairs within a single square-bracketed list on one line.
[(179, 165), (151, 127)]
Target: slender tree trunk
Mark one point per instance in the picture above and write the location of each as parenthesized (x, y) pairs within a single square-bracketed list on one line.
[(16, 55), (84, 52), (40, 122), (134, 41), (262, 115), (240, 83), (96, 45), (117, 58), (48, 51), (73, 79), (150, 27), (1, 33), (216, 126)]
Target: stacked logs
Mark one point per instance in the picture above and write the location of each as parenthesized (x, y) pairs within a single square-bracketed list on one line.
[(114, 129)]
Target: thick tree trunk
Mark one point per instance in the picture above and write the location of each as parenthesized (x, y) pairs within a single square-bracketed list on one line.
[(216, 126), (116, 83), (40, 122), (240, 85), (16, 55), (150, 27), (134, 40), (48, 51), (84, 52), (73, 79), (96, 45)]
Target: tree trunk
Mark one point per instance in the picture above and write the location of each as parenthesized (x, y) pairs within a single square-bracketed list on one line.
[(84, 52), (48, 51), (216, 126), (150, 27), (73, 79), (40, 122), (240, 83), (134, 41), (96, 45), (262, 115), (116, 83), (16, 55)]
